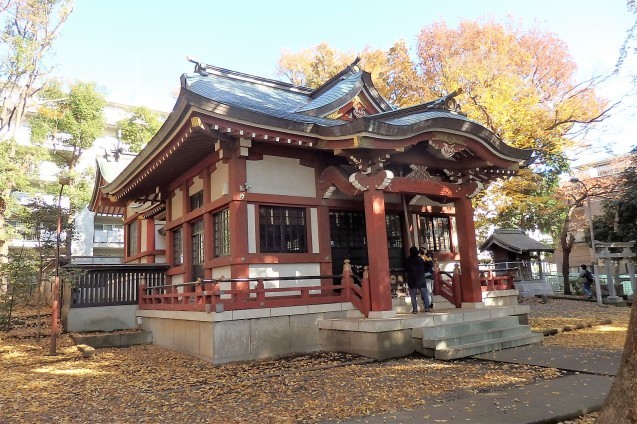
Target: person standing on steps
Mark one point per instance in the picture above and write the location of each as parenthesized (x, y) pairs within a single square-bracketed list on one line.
[(428, 257), (415, 267)]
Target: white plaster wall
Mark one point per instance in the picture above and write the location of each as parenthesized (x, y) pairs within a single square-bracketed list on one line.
[(160, 241), (285, 270), (222, 271), (144, 235), (278, 175), (196, 186), (160, 259), (178, 279), (314, 229), (219, 181), (252, 232), (176, 207)]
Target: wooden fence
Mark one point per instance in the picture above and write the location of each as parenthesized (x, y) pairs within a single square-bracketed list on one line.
[(110, 285)]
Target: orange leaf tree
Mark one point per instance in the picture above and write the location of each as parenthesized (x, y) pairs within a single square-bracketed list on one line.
[(520, 83)]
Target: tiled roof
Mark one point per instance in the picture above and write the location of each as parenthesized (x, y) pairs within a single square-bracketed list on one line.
[(269, 100), (335, 93), (110, 168), (515, 241), (422, 116)]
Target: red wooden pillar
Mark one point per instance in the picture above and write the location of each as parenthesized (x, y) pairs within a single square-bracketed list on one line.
[(208, 230), (325, 250), (468, 250), (186, 233), (377, 253), (150, 239), (170, 240), (238, 214)]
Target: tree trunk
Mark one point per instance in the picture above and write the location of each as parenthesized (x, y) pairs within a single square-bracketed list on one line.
[(620, 406)]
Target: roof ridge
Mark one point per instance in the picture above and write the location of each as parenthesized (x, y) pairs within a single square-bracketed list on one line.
[(327, 85), (204, 70)]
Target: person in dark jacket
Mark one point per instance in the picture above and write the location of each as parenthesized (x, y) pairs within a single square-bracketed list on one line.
[(428, 256), (415, 268)]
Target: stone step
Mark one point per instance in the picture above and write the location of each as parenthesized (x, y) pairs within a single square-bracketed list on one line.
[(476, 337), (471, 349), (402, 305), (466, 327)]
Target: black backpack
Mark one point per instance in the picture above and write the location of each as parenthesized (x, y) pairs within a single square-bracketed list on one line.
[(589, 276)]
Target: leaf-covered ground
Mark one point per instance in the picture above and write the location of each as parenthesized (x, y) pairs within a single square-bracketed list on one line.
[(149, 384)]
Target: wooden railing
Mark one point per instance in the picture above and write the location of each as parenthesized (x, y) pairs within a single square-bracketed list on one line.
[(109, 285), (490, 281), (251, 293), (447, 285)]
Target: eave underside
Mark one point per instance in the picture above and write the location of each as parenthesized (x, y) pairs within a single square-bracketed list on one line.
[(469, 160)]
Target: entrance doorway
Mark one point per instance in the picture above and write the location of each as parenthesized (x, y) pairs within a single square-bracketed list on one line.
[(348, 240)]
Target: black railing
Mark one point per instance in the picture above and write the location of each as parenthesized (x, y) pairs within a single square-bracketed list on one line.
[(110, 285)]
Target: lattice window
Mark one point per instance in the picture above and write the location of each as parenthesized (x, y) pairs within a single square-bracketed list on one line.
[(197, 249), (394, 231), (196, 200), (222, 232), (347, 229), (133, 238), (178, 246), (435, 233), (282, 230)]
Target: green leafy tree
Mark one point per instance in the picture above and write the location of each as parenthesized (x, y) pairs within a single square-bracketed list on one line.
[(617, 222), (137, 130), (28, 29), (18, 271), (70, 122)]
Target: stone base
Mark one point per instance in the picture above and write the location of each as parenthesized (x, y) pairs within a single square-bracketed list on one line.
[(244, 334), (382, 314), (472, 305), (378, 345), (114, 340), (615, 301)]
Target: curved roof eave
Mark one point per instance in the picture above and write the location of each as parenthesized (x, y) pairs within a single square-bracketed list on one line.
[(374, 94), (163, 135), (460, 126), (336, 104), (188, 101), (96, 188)]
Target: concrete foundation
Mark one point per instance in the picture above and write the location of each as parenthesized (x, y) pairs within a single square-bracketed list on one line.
[(100, 318), (242, 335)]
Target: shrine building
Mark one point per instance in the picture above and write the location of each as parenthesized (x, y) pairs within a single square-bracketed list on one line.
[(252, 180)]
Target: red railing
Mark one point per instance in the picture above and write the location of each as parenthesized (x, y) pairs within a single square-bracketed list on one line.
[(357, 289), (251, 293), (490, 281), (447, 285)]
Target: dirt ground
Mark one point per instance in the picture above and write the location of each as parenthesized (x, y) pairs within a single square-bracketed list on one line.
[(148, 384)]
